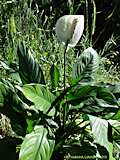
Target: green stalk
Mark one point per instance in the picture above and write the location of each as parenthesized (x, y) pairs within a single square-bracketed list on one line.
[(86, 17), (66, 45), (64, 82), (94, 18)]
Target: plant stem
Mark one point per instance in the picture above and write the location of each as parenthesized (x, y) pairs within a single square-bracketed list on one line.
[(66, 45), (65, 107)]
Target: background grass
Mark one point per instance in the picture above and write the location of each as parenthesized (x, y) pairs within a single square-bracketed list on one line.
[(34, 22)]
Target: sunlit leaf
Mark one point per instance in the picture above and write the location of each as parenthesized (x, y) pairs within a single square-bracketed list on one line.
[(37, 145), (86, 64), (117, 115), (39, 95), (55, 76), (100, 132)]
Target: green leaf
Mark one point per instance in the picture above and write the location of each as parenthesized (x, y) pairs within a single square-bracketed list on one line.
[(80, 93), (30, 124), (13, 107), (117, 115), (55, 76), (106, 95), (39, 95), (114, 88), (117, 146), (100, 131), (5, 66), (115, 124), (86, 64), (94, 106), (92, 99), (37, 145), (29, 69), (3, 93)]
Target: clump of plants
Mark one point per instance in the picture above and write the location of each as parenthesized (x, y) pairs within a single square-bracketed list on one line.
[(61, 118)]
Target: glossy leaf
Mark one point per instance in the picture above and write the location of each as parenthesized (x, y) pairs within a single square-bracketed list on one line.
[(3, 93), (100, 130), (13, 107), (116, 128), (39, 95), (29, 69), (55, 76), (92, 99), (106, 95), (94, 106), (115, 89), (37, 145), (86, 64), (117, 115)]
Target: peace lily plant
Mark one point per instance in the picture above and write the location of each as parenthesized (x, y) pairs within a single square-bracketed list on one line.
[(55, 125)]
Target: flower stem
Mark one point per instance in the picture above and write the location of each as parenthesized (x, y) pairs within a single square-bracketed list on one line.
[(66, 45), (64, 82)]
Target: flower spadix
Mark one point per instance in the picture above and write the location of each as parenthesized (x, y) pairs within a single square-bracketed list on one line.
[(69, 29)]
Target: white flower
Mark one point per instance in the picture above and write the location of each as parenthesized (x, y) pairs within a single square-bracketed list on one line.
[(69, 28)]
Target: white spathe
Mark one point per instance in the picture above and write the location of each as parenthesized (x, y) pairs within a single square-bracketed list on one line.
[(69, 28)]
